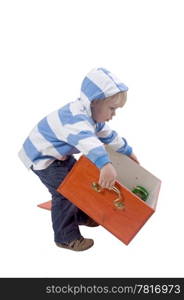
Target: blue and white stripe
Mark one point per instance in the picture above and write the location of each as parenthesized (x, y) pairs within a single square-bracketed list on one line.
[(71, 129)]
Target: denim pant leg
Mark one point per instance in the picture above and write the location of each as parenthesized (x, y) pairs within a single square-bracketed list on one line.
[(65, 215)]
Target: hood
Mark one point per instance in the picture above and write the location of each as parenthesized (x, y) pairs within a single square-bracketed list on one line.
[(99, 83)]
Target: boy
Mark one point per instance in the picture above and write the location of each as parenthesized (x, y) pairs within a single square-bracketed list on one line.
[(79, 126)]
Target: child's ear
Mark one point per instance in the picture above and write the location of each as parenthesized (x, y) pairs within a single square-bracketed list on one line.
[(93, 103)]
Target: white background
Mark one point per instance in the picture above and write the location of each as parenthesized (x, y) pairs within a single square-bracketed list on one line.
[(47, 47)]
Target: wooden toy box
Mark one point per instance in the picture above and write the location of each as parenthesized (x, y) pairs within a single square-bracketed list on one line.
[(120, 211)]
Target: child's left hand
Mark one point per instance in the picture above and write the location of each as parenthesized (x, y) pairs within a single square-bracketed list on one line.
[(133, 157)]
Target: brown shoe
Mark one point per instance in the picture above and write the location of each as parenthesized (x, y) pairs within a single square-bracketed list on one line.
[(89, 222), (77, 245)]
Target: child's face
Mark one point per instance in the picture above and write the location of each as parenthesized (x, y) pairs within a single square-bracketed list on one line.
[(104, 110)]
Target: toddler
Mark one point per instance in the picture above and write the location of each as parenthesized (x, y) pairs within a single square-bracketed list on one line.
[(78, 126)]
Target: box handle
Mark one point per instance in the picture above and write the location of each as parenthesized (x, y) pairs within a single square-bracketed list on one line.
[(118, 203)]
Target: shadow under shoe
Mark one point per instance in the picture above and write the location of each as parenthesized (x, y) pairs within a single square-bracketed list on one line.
[(77, 245)]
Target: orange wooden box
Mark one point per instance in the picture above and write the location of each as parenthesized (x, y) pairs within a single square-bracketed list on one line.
[(119, 210)]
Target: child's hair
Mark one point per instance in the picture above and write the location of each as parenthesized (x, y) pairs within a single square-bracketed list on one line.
[(115, 96)]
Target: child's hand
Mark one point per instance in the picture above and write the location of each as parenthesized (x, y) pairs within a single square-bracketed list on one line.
[(133, 157), (107, 176)]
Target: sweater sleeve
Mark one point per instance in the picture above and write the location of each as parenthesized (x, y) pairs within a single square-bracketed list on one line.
[(83, 137), (108, 136)]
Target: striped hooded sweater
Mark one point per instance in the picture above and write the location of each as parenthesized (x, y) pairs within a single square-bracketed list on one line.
[(71, 129)]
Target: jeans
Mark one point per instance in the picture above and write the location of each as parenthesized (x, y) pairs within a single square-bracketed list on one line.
[(65, 215)]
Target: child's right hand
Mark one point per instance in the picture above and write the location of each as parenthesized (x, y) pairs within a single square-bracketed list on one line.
[(107, 176)]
